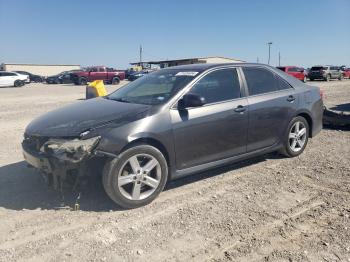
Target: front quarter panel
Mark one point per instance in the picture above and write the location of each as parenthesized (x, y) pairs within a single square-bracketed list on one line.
[(156, 127)]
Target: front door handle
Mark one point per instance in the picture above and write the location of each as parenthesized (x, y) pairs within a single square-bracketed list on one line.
[(291, 99), (240, 109)]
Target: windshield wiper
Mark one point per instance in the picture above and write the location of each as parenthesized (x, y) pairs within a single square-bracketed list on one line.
[(118, 99)]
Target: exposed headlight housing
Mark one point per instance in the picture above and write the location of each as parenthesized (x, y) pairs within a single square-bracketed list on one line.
[(70, 150)]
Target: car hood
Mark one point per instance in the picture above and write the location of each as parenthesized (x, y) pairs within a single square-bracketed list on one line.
[(72, 120)]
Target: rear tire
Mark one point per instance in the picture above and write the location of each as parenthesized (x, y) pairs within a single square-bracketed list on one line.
[(296, 137), (82, 81), (18, 83), (123, 194)]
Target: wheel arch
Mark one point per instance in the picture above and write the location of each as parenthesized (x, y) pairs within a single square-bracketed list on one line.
[(308, 118), (152, 142)]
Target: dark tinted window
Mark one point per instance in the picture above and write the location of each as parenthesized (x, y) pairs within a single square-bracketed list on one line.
[(294, 69), (220, 85), (282, 84), (7, 74), (260, 80), (317, 68), (282, 68)]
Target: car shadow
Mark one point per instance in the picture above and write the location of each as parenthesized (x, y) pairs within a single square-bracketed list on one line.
[(23, 188)]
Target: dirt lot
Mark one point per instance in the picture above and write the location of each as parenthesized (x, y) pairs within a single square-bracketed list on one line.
[(266, 209)]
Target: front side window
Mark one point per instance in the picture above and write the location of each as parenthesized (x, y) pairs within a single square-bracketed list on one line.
[(260, 80), (154, 88), (220, 85)]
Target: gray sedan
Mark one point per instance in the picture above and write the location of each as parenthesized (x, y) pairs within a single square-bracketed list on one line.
[(172, 123)]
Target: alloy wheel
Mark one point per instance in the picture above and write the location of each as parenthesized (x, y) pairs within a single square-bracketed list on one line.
[(139, 177), (297, 136)]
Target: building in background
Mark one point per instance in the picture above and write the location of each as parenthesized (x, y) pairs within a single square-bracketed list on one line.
[(43, 70), (187, 61)]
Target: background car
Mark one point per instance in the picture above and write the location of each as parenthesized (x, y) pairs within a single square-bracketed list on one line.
[(32, 77), (297, 72), (137, 75), (12, 79), (325, 73), (346, 73), (62, 78)]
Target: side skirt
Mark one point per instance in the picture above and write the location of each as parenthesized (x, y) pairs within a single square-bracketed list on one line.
[(176, 174)]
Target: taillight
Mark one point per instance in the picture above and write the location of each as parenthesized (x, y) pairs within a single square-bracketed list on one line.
[(321, 94)]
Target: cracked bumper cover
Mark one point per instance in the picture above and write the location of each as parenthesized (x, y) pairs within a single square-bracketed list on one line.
[(57, 156)]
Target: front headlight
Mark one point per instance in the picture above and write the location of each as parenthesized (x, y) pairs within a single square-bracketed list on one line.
[(70, 150)]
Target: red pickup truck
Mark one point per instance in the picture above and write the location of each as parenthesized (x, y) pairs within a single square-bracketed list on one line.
[(108, 75)]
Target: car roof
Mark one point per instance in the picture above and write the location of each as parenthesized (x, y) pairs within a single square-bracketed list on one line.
[(203, 67)]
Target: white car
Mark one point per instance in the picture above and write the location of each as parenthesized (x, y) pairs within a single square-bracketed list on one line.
[(12, 79)]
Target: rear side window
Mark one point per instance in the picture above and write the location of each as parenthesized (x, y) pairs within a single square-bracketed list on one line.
[(8, 74), (293, 69), (260, 80), (220, 85), (282, 84), (282, 68)]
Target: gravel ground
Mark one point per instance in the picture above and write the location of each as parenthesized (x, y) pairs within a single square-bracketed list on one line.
[(269, 208)]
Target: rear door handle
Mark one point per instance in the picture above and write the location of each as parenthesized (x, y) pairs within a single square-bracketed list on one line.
[(291, 98), (240, 109)]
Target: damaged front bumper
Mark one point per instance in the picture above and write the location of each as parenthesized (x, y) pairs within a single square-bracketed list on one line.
[(60, 160)]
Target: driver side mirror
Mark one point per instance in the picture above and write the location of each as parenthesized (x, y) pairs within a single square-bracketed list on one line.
[(191, 100)]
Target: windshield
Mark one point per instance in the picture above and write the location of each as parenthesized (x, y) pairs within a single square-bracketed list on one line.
[(154, 88), (317, 68)]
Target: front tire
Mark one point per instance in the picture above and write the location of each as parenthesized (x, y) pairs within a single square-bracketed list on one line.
[(115, 80), (136, 177), (296, 137)]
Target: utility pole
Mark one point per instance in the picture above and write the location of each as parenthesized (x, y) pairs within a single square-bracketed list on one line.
[(257, 60), (269, 44), (140, 55), (279, 58)]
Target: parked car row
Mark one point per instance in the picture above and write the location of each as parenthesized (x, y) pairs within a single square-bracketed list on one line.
[(86, 75), (32, 77), (319, 72)]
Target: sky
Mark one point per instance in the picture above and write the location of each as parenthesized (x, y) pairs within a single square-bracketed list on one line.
[(304, 32)]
